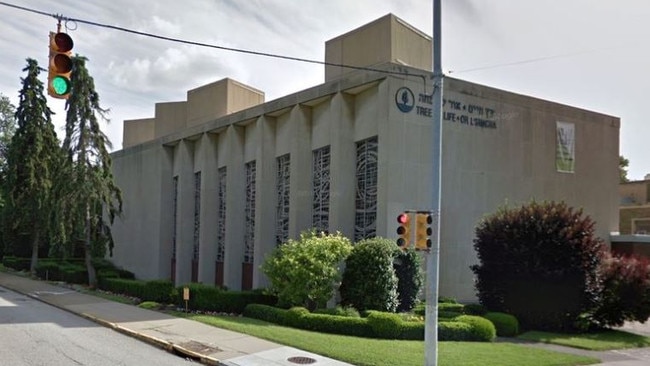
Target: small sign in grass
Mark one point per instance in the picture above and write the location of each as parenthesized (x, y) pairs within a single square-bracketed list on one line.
[(598, 341)]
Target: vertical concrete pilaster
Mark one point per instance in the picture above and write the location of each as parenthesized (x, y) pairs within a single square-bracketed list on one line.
[(266, 201), (207, 160), (300, 205), (343, 165), (166, 211), (184, 169), (235, 204)]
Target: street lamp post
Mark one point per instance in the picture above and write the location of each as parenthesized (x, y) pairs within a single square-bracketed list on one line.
[(433, 257)]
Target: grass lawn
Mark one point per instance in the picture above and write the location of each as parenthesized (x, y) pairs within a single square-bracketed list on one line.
[(376, 352), (600, 341)]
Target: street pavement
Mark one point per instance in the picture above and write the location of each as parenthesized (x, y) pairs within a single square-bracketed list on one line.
[(215, 346), (206, 344)]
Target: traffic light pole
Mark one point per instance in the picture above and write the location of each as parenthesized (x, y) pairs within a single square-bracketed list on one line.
[(433, 257)]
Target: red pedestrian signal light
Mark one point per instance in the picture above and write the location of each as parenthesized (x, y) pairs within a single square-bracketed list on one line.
[(423, 230), (60, 65), (404, 230)]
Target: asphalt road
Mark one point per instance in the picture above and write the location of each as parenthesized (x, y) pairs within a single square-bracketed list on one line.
[(33, 334)]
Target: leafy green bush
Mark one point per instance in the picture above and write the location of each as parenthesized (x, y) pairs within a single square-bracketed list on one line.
[(454, 331), (210, 298), (316, 322), (267, 313), (149, 305), (506, 325), (409, 278), (475, 309), (453, 307), (540, 263), (412, 331), (626, 291), (345, 325), (304, 272), (19, 264), (369, 281), (293, 317), (482, 329), (339, 311), (134, 288), (448, 314), (385, 325), (48, 270)]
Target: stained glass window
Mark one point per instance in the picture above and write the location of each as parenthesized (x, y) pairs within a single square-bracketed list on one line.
[(365, 221), (197, 216), (282, 210), (221, 214), (321, 188), (249, 213)]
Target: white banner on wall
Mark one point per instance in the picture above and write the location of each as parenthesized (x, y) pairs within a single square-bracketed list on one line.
[(565, 147)]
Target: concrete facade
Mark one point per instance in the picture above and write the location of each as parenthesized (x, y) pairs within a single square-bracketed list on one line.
[(207, 199)]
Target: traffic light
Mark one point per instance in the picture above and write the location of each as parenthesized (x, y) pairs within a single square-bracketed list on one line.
[(404, 230), (423, 230), (60, 65)]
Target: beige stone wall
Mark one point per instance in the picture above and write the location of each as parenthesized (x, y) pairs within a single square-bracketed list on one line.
[(499, 148), (387, 39), (137, 131)]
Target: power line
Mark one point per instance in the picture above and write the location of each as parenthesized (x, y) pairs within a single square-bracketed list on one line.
[(207, 45)]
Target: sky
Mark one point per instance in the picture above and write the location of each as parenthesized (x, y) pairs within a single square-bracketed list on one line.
[(591, 54)]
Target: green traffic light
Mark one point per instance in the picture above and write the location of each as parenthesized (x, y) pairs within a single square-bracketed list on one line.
[(61, 85)]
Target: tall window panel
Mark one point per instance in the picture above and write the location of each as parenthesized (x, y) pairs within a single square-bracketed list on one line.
[(197, 216), (249, 212), (321, 189), (221, 214), (282, 210), (174, 215), (365, 221)]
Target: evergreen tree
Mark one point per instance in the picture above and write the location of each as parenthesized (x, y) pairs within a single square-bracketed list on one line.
[(32, 158), (91, 195), (7, 128)]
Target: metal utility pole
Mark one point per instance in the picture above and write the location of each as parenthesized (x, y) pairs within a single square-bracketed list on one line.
[(433, 257)]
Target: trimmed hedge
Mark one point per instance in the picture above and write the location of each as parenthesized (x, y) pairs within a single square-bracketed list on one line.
[(385, 325), (453, 331), (316, 322), (482, 329), (339, 311), (158, 290), (210, 298), (375, 325), (506, 325)]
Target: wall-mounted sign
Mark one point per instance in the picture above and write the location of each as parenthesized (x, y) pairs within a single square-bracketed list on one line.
[(404, 99)]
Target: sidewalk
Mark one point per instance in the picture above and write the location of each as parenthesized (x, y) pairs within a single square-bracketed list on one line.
[(216, 346), (207, 344)]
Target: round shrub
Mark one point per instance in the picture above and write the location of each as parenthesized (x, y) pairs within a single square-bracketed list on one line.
[(540, 263), (305, 272), (454, 331), (385, 325), (369, 281), (626, 291), (506, 325), (444, 306), (482, 329)]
